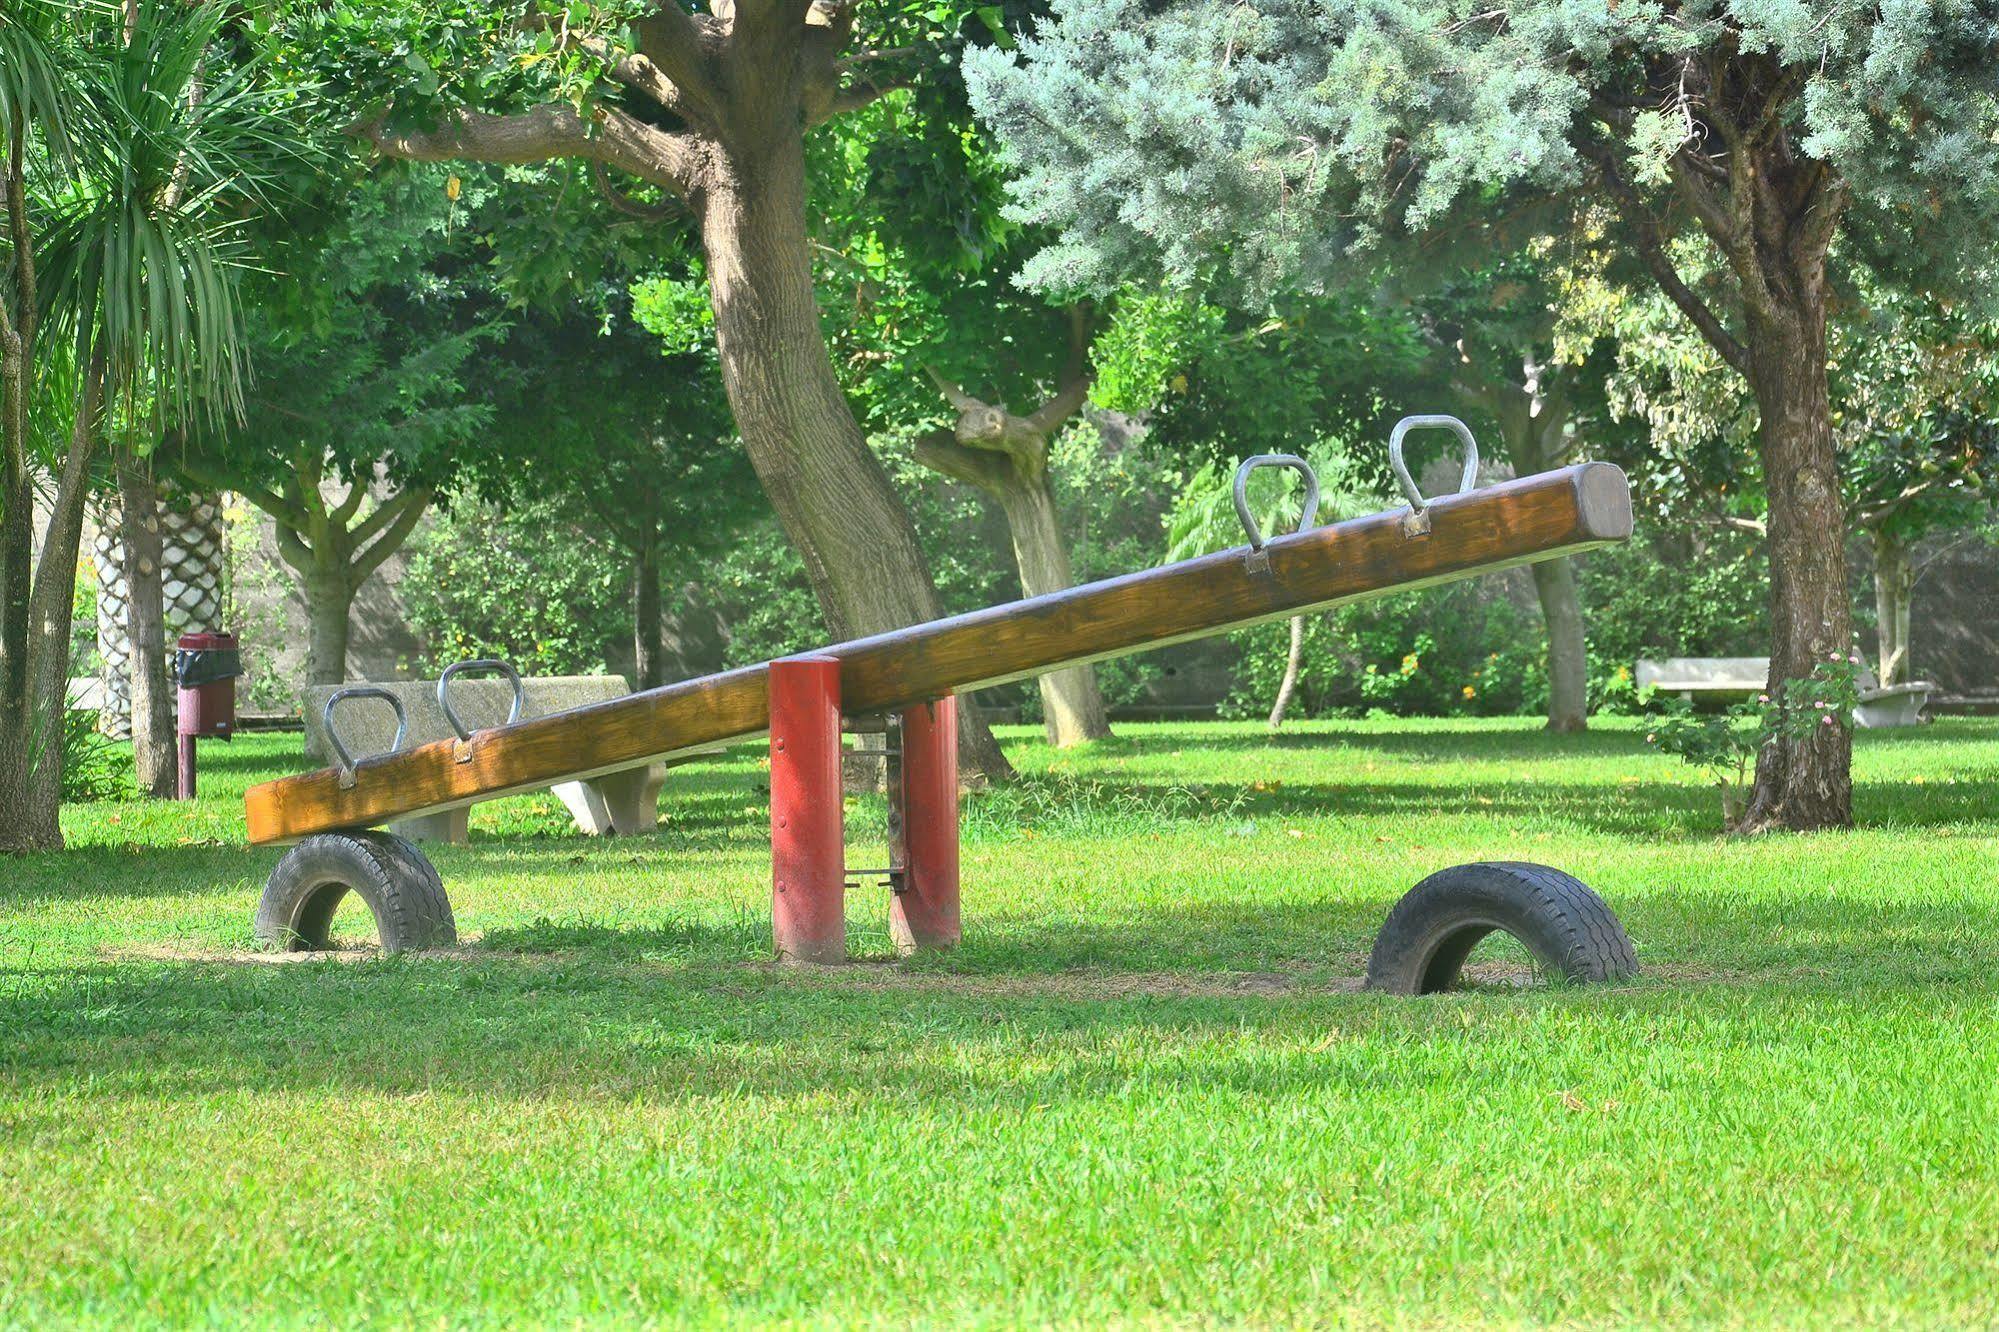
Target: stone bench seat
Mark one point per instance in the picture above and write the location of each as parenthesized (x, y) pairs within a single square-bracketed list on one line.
[(624, 802), (1739, 677)]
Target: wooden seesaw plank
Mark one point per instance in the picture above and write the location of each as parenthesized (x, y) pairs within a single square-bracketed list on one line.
[(1516, 522)]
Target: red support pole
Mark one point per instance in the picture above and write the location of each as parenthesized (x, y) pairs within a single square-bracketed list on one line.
[(186, 766), (924, 914), (807, 834)]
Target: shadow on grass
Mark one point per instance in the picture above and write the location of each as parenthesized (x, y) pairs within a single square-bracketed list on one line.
[(681, 1009), (722, 820)]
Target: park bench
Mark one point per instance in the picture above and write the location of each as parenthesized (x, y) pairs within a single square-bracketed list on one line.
[(623, 801), (1695, 678)]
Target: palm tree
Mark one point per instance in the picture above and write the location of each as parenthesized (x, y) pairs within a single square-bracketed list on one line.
[(35, 100), (138, 246), (1203, 519)]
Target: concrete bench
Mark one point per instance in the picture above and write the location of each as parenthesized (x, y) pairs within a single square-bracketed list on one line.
[(625, 802), (1739, 677)]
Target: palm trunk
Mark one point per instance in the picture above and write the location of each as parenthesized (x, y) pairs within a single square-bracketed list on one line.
[(1072, 707), (1568, 657), (1801, 784), (645, 618), (1894, 584), (1294, 657), (830, 491), (145, 629)]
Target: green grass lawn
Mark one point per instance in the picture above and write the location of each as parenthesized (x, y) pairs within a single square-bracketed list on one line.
[(1146, 1090)]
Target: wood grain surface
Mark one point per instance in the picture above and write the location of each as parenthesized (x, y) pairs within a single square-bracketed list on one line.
[(1516, 522)]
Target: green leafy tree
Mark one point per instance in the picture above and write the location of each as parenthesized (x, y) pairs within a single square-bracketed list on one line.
[(926, 323), (1914, 384), (365, 405), (1269, 142), (624, 447), (695, 121)]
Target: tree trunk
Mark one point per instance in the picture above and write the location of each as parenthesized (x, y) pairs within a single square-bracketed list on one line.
[(145, 627), (1294, 657), (329, 602), (1568, 657), (1801, 784), (830, 491), (31, 743), (1894, 584), (17, 736), (645, 618), (1072, 706), (1533, 419)]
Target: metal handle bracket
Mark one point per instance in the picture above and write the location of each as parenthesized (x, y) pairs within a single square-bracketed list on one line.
[(487, 664), (1258, 559), (345, 760), (1418, 521)]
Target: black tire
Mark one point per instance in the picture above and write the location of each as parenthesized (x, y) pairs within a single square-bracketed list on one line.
[(402, 891), (1432, 930)]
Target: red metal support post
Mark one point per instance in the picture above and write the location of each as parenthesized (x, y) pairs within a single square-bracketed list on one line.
[(924, 913), (807, 832)]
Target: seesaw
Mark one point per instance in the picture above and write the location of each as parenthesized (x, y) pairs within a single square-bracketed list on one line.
[(902, 685)]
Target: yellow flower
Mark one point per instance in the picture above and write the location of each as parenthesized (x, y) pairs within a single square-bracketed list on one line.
[(1409, 664), (1470, 692)]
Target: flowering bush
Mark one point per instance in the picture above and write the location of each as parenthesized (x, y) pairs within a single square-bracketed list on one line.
[(1725, 744)]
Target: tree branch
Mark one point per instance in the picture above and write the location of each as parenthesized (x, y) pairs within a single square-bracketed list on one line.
[(410, 506), (1651, 246), (210, 479), (938, 451), (291, 546), (385, 513), (342, 513), (630, 207), (641, 74), (684, 47), (671, 160), (852, 98)]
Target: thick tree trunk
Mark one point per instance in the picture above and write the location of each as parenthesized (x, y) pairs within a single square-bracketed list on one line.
[(145, 627), (1894, 585), (1568, 656), (830, 491), (1294, 659), (1071, 704), (645, 617), (1807, 783), (329, 602)]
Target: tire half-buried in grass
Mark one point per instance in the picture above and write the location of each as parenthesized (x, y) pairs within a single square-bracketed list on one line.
[(1570, 931), (402, 891)]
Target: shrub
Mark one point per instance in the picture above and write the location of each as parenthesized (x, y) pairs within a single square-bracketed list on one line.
[(519, 585), (93, 768), (1725, 744)]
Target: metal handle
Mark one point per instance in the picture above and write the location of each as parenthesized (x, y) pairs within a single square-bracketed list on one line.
[(362, 691), (1296, 464), (479, 664), (1417, 501)]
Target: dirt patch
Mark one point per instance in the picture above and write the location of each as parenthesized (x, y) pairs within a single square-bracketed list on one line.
[(1095, 986), (355, 951)]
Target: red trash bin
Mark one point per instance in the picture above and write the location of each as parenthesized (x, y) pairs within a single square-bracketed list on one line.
[(206, 667)]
